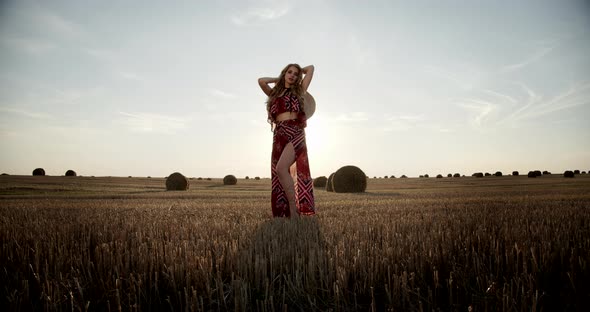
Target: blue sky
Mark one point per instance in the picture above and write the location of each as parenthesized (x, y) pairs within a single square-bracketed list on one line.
[(402, 87)]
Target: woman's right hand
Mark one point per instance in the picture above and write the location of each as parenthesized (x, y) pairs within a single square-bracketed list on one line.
[(263, 83)]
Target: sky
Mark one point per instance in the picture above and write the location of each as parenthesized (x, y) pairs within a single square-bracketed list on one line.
[(147, 88)]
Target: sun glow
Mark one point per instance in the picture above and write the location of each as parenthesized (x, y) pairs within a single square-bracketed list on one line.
[(319, 140)]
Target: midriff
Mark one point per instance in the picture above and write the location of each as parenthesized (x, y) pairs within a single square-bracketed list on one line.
[(286, 116)]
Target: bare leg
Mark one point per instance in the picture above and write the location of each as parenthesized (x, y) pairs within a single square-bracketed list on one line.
[(286, 160)]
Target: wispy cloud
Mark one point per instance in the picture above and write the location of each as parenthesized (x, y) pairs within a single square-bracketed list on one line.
[(536, 105), (268, 11), (25, 113), (153, 123), (103, 55), (129, 75), (480, 109), (27, 45), (115, 62), (352, 117), (537, 55), (48, 20), (403, 122), (221, 94), (451, 76)]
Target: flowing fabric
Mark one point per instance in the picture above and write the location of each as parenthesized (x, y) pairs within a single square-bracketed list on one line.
[(285, 132)]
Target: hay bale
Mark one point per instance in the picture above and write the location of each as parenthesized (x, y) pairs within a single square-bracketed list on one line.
[(426, 176), (247, 178), (256, 178), (477, 175), (208, 179), (349, 179), (439, 176), (487, 174), (200, 178), (546, 172), (320, 181), (498, 173), (576, 171), (329, 183), (176, 182), (569, 174), (230, 180), (420, 176), (71, 173), (515, 173), (538, 173), (4, 174), (532, 174), (449, 175), (39, 172), (583, 172), (392, 177), (456, 175), (403, 176)]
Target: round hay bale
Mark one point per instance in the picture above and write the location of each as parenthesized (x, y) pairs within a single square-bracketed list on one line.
[(449, 175), (349, 179), (39, 172), (531, 174), (256, 178), (498, 173), (403, 176), (569, 174), (320, 181), (176, 182), (456, 175), (200, 178), (230, 180), (329, 183), (538, 173), (392, 177), (5, 174), (247, 178), (487, 174), (477, 175), (71, 173), (515, 173), (576, 171), (386, 177), (208, 179), (426, 176), (439, 176), (583, 172), (420, 176), (546, 172)]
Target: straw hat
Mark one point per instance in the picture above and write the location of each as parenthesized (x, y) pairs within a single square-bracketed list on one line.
[(309, 105)]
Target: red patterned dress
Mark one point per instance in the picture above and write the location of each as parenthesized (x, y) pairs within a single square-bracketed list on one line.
[(285, 132)]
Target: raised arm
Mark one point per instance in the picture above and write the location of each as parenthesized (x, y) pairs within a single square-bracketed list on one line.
[(263, 83), (308, 72)]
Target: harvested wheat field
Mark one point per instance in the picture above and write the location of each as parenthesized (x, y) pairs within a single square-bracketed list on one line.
[(451, 244)]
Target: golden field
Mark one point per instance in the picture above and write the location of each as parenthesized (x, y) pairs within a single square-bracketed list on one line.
[(451, 244)]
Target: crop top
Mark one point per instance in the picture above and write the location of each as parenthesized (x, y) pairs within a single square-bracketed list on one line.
[(287, 103)]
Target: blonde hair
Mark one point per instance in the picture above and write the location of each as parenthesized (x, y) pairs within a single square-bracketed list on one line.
[(279, 88)]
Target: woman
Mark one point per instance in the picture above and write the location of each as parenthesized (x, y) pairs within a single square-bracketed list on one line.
[(285, 114)]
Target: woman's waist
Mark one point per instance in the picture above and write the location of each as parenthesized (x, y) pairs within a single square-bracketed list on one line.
[(286, 116)]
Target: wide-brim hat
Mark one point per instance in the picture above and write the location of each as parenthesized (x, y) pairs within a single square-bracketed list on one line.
[(308, 105)]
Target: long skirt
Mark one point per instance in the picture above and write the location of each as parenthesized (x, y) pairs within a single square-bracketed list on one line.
[(286, 132)]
